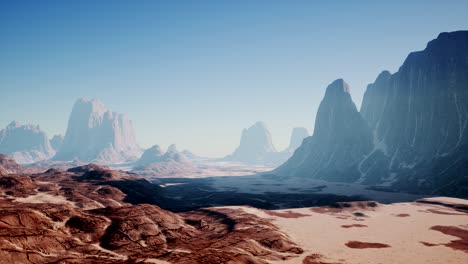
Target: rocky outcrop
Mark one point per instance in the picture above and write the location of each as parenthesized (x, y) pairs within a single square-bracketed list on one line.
[(256, 146), (107, 216), (97, 134), (8, 166), (25, 143), (340, 141)]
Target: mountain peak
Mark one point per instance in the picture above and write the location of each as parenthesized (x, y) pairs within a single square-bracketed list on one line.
[(89, 105), (255, 144), (97, 134), (172, 148), (337, 88)]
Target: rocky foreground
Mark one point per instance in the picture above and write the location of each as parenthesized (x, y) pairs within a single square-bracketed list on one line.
[(91, 214)]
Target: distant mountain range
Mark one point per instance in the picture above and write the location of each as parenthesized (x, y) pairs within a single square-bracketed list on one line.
[(410, 132), (172, 162), (256, 146)]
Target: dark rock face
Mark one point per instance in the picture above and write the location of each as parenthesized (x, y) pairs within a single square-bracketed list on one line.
[(415, 136), (341, 139), (421, 111), (420, 116)]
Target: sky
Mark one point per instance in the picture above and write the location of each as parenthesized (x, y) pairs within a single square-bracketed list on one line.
[(196, 73)]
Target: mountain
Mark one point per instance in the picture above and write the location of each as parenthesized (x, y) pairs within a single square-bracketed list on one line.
[(255, 146), (190, 155), (25, 143), (410, 133), (420, 114), (297, 136), (56, 142), (97, 134), (154, 162), (341, 139), (151, 155)]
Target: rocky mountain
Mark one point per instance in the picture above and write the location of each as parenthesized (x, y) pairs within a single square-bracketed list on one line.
[(151, 155), (154, 162), (189, 154), (297, 136), (256, 146), (419, 116), (410, 133), (341, 139), (97, 134), (56, 142), (25, 143)]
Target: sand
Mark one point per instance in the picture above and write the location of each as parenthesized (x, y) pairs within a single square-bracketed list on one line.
[(44, 198), (381, 236)]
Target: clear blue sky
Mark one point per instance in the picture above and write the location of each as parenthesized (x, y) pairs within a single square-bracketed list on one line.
[(196, 72)]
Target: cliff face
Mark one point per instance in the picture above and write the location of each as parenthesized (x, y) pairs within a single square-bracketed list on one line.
[(25, 143), (419, 116), (96, 134), (414, 136), (421, 111), (341, 139)]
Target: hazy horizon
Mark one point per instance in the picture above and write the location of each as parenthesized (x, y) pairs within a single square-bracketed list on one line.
[(197, 74)]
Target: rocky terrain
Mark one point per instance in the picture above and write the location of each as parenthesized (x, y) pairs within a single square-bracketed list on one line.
[(25, 143), (410, 132), (108, 136), (91, 214)]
